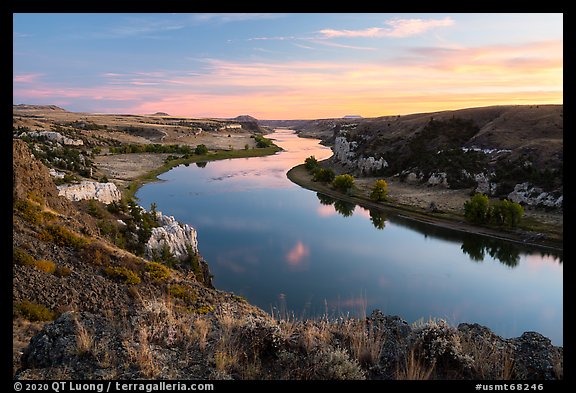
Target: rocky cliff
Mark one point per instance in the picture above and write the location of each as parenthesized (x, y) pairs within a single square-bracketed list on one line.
[(180, 239)]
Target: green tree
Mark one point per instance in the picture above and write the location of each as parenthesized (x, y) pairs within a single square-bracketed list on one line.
[(201, 150), (311, 163), (343, 182), (507, 213), (324, 175), (477, 209), (379, 191)]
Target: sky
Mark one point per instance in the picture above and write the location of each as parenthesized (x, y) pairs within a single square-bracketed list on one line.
[(286, 66)]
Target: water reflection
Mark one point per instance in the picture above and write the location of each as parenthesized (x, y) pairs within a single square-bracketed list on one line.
[(262, 236), (201, 164), (295, 257), (325, 199), (346, 209), (477, 248), (378, 219), (474, 246)]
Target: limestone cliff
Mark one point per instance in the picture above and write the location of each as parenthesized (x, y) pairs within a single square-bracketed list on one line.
[(178, 237), (103, 192)]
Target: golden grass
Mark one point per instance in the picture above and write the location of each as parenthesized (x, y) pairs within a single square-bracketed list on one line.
[(414, 368)]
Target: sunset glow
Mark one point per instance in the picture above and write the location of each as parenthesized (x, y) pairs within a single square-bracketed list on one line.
[(283, 66)]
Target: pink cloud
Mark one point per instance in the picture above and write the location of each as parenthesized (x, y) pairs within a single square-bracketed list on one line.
[(297, 254), (26, 78), (326, 211), (398, 28), (430, 79)]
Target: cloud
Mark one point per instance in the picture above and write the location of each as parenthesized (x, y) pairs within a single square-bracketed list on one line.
[(399, 28), (26, 78), (344, 46), (422, 79), (234, 17), (297, 254)]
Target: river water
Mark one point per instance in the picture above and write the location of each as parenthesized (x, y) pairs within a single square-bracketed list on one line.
[(299, 254)]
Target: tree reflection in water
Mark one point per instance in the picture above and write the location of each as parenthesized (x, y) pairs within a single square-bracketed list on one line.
[(344, 208), (475, 246), (378, 218)]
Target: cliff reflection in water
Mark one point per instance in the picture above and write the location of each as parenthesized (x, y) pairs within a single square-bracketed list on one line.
[(477, 247)]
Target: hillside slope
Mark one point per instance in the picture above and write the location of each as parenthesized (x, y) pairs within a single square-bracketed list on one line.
[(496, 150)]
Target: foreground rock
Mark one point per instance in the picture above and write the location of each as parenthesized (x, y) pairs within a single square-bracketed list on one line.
[(237, 341)]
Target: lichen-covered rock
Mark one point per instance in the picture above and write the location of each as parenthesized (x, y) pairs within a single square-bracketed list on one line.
[(535, 358)]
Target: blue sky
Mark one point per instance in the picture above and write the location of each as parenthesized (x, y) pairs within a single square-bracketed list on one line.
[(285, 66)]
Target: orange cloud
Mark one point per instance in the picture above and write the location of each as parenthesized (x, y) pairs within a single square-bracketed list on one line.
[(427, 79)]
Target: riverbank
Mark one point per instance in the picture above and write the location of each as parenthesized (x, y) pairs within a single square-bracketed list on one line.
[(131, 171), (413, 202)]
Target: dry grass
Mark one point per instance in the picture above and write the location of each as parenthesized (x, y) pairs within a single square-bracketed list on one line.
[(490, 361), (201, 329), (414, 368), (141, 354), (84, 340), (365, 341)]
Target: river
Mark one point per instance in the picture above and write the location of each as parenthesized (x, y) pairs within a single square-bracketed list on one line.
[(299, 254)]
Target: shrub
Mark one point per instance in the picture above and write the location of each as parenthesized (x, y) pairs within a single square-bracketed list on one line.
[(34, 312), (182, 292), (203, 310), (61, 236), (122, 273), (201, 150), (96, 254), (311, 163), (157, 271), (45, 266), (21, 257), (29, 211), (343, 182), (379, 191), (324, 175), (62, 271), (477, 209)]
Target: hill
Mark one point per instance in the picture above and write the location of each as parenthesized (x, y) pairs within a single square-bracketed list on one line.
[(493, 148)]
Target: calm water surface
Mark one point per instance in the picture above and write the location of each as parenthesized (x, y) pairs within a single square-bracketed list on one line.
[(289, 250)]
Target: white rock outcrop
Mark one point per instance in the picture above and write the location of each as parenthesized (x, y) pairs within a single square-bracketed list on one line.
[(485, 186), (177, 236), (527, 194), (344, 151), (103, 192), (438, 179), (54, 136)]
